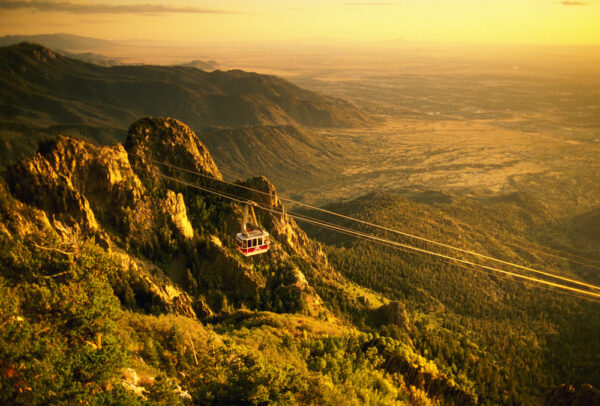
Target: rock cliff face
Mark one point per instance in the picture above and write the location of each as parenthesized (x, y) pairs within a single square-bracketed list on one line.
[(152, 140), (77, 183), (178, 214), (18, 219), (171, 239)]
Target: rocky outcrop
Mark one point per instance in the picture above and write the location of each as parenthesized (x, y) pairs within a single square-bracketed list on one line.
[(155, 143), (202, 308), (18, 219), (392, 313), (46, 182), (130, 381), (82, 185), (175, 209), (294, 279), (117, 195), (74, 182)]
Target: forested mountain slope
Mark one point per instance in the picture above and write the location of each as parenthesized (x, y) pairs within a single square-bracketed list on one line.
[(514, 340), (120, 286)]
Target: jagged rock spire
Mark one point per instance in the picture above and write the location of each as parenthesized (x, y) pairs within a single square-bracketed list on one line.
[(168, 140)]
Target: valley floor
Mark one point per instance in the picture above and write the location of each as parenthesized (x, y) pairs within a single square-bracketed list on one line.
[(469, 157)]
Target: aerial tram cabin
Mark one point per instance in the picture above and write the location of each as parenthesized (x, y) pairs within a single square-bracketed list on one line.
[(252, 240)]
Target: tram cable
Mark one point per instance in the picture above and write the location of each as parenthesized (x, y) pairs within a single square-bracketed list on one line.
[(545, 250), (384, 228), (374, 238)]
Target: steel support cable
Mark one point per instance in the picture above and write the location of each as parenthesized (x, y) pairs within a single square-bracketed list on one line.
[(549, 254), (390, 242), (487, 272), (331, 224), (424, 251), (526, 268), (472, 268), (391, 230), (383, 227)]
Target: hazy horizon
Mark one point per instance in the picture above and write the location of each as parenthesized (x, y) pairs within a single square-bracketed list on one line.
[(535, 22), (289, 59)]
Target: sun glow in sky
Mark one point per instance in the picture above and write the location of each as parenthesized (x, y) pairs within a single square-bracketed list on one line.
[(467, 21)]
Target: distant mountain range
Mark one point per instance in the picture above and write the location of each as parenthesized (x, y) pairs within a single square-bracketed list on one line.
[(48, 88), (88, 49), (44, 93), (67, 42)]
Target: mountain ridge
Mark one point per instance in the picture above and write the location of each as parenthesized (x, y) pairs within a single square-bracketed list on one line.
[(45, 94), (57, 41), (252, 99)]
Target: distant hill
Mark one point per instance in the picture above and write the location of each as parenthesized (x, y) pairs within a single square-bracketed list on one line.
[(67, 42), (286, 154), (91, 57), (204, 65), (68, 45), (44, 93)]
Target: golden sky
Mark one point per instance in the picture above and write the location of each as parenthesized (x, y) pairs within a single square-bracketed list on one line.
[(465, 21)]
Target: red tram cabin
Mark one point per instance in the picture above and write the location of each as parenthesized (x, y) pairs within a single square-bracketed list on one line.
[(252, 241)]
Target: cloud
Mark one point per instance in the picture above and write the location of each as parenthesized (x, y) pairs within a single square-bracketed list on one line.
[(95, 8), (574, 3)]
